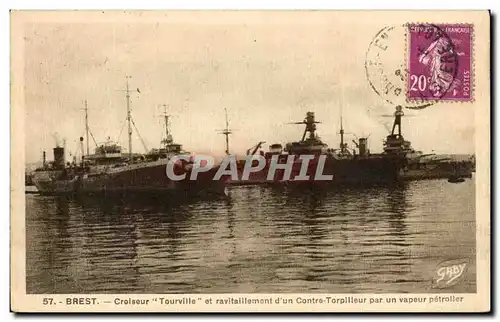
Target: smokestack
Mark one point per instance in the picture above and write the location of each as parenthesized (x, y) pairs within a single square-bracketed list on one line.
[(363, 147), (44, 159), (59, 160), (81, 147)]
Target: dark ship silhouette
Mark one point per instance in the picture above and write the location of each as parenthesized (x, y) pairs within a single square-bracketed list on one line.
[(420, 166), (109, 171), (398, 161), (346, 167)]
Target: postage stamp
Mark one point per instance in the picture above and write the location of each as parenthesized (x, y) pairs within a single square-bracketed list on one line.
[(440, 62), (416, 65)]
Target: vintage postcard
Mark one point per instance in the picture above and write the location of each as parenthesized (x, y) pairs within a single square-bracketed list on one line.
[(250, 161)]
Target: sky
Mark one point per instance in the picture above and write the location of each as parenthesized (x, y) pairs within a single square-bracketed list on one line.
[(266, 72)]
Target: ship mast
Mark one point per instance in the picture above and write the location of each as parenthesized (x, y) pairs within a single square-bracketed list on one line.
[(87, 128), (395, 142), (310, 123), (342, 146), (168, 137), (342, 100), (129, 119), (226, 132), (397, 120)]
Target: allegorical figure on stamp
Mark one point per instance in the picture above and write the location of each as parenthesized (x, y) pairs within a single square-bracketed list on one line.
[(440, 79)]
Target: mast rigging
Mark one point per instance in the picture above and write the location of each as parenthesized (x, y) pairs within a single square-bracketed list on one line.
[(227, 131), (87, 129), (129, 120), (168, 137)]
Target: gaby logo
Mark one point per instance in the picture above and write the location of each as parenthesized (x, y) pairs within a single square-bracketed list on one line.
[(449, 273)]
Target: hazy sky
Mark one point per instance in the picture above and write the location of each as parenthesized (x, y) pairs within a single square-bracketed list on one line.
[(266, 73)]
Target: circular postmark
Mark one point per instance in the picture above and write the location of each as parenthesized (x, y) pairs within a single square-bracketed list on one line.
[(411, 65)]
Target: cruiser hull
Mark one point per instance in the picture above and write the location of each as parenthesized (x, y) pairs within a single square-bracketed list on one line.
[(443, 170), (141, 178), (356, 171)]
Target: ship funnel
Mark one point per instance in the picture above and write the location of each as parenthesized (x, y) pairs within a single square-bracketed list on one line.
[(363, 147), (276, 148), (59, 159), (81, 147)]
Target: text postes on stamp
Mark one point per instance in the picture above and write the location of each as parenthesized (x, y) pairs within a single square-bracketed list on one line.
[(440, 62)]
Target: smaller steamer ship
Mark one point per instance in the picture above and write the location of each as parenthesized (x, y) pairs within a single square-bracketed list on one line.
[(110, 171)]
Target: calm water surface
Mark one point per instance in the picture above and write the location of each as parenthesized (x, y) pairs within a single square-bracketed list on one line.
[(259, 239)]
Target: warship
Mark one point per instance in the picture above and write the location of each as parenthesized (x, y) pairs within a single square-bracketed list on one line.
[(397, 163), (422, 166), (109, 170), (358, 166), (431, 166)]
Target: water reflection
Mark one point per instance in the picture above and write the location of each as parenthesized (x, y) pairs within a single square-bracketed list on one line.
[(258, 239)]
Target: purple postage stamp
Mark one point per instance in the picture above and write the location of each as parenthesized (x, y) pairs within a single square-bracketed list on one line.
[(440, 62)]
